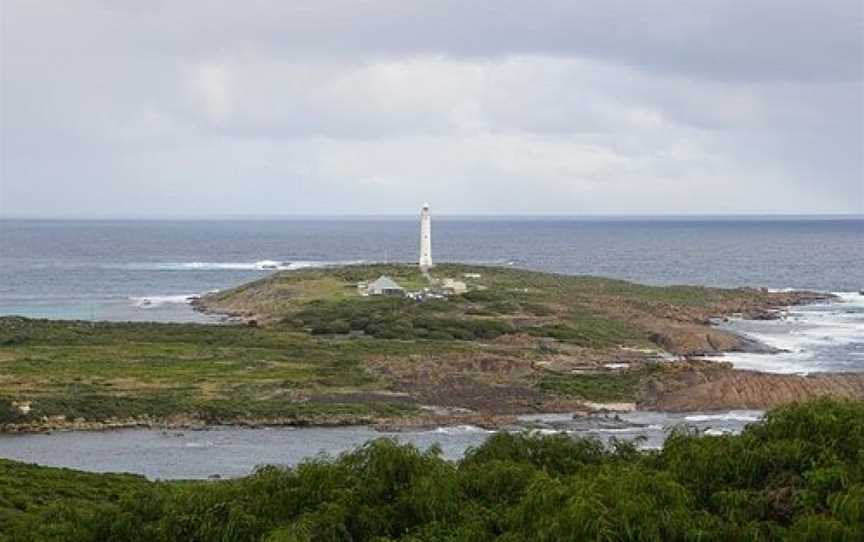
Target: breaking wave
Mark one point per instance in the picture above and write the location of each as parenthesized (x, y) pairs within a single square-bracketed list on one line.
[(460, 429), (261, 265), (820, 337), (153, 301), (628, 429), (732, 416)]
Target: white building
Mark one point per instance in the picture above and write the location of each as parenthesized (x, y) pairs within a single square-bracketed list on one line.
[(384, 285), (425, 238)]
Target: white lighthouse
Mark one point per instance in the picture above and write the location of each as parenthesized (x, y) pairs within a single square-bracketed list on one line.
[(425, 238)]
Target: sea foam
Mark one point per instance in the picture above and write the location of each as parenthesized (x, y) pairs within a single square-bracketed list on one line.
[(153, 301), (260, 265), (820, 337), (460, 429), (731, 416)]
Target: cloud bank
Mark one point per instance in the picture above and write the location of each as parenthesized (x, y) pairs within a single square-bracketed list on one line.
[(359, 107)]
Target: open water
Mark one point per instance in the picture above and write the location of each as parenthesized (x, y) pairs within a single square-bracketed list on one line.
[(146, 270)]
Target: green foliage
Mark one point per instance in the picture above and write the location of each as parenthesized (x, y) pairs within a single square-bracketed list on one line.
[(604, 387), (557, 454), (395, 318), (515, 301), (586, 328), (799, 475), (9, 413), (588, 311), (117, 371), (49, 501)]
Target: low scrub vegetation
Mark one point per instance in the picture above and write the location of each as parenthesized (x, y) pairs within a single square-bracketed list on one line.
[(535, 304), (798, 475), (103, 371), (590, 312), (612, 386), (396, 318)]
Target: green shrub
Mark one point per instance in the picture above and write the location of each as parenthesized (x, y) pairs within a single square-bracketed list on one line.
[(769, 483)]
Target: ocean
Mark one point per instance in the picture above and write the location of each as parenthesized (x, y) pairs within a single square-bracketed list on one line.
[(148, 270)]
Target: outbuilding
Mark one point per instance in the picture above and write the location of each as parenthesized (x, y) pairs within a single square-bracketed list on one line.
[(384, 285)]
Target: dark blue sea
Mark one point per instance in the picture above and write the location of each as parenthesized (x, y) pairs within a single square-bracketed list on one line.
[(145, 270)]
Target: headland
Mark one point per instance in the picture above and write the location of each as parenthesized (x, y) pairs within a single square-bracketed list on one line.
[(459, 344)]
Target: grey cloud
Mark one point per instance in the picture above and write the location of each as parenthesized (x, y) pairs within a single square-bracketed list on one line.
[(776, 39), (345, 106)]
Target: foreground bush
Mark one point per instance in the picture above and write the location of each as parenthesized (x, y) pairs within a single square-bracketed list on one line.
[(799, 475)]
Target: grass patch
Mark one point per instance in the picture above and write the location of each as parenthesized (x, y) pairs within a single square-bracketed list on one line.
[(118, 370), (395, 318), (588, 311), (618, 386)]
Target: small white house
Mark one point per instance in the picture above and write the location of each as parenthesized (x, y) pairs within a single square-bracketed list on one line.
[(384, 285)]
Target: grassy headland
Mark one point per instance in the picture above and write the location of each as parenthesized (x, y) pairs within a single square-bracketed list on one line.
[(319, 352), (590, 312), (798, 475)]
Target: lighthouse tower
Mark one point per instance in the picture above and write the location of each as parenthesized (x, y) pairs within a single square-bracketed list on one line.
[(425, 238)]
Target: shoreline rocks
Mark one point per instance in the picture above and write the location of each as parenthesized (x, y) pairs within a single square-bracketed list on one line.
[(707, 386)]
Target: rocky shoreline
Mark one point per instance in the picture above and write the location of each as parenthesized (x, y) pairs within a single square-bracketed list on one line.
[(189, 423), (690, 386)]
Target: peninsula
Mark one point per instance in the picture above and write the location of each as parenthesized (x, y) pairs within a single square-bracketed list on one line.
[(453, 344)]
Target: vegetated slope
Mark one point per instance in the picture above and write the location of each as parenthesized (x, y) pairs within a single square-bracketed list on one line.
[(28, 490), (84, 375), (799, 475), (320, 353), (585, 311), (579, 326)]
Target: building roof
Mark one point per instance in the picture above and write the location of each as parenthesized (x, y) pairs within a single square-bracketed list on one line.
[(384, 283)]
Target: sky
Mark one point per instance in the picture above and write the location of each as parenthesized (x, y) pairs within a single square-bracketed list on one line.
[(116, 108)]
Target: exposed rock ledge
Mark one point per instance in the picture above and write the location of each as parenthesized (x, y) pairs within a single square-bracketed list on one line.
[(424, 420), (710, 386)]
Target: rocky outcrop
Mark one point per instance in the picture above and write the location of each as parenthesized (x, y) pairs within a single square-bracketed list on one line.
[(691, 339), (710, 386)]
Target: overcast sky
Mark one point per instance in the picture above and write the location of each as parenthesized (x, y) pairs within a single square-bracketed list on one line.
[(202, 108)]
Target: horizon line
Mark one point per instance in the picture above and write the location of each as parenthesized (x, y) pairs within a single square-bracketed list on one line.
[(322, 216)]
